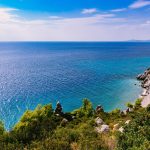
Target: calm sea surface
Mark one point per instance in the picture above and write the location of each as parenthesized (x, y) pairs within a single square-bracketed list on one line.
[(33, 73)]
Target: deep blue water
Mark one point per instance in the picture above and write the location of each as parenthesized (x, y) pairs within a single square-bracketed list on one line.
[(33, 73)]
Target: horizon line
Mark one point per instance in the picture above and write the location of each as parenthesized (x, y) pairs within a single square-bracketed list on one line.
[(78, 41)]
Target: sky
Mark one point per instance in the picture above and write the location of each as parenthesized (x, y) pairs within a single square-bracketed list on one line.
[(74, 20)]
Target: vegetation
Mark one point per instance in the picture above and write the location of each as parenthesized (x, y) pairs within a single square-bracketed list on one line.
[(44, 129), (136, 135)]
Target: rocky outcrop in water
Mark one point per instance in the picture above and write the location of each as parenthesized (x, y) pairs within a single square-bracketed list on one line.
[(145, 84), (145, 78), (145, 81)]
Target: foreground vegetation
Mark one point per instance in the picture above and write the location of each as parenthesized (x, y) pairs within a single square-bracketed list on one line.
[(46, 129)]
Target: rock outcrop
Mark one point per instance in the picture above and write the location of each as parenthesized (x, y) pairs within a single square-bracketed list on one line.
[(145, 78), (103, 129), (99, 109), (99, 121), (145, 84), (64, 122), (101, 126), (116, 127), (121, 129), (58, 110), (127, 122)]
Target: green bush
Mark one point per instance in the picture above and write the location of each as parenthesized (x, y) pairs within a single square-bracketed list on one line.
[(41, 129), (129, 105), (136, 135), (35, 124), (138, 103), (2, 129), (86, 110)]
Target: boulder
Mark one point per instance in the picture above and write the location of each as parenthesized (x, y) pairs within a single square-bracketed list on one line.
[(99, 109), (131, 109), (127, 122), (121, 129), (104, 129), (141, 76), (98, 129), (144, 77), (124, 111), (99, 121), (144, 93), (64, 122), (116, 127), (127, 110), (146, 84), (58, 110)]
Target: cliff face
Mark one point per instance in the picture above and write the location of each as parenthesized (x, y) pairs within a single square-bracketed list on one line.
[(145, 84), (145, 78)]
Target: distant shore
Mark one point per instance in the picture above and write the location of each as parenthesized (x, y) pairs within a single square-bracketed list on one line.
[(145, 84)]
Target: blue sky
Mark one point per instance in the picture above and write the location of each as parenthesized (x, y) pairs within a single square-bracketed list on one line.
[(65, 5), (74, 20)]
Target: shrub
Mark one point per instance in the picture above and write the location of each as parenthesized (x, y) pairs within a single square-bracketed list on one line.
[(35, 124), (129, 105), (86, 110), (138, 103), (1, 128), (136, 135)]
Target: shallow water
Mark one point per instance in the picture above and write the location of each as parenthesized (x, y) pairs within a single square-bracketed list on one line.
[(33, 73)]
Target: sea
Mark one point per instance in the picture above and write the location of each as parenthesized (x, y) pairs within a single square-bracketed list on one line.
[(33, 73)]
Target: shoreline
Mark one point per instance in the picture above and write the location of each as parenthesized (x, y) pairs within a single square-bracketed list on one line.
[(145, 84)]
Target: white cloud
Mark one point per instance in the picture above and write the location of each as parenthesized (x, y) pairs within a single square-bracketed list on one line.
[(89, 11), (54, 17), (98, 27), (148, 22), (119, 10), (86, 20), (139, 4), (7, 14)]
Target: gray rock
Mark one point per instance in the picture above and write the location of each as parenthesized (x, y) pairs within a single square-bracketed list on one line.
[(116, 127), (99, 109), (98, 129), (104, 129), (121, 129), (127, 122), (64, 122), (99, 121), (58, 109)]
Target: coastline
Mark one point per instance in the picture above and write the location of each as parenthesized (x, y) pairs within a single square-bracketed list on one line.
[(145, 84)]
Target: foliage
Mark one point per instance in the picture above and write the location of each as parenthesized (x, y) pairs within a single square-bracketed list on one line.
[(86, 110), (129, 105), (1, 128), (138, 103), (136, 135), (42, 129), (35, 124)]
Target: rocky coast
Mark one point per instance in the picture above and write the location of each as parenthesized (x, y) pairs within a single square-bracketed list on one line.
[(145, 84)]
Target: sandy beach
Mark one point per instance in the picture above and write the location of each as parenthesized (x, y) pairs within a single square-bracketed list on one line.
[(146, 101)]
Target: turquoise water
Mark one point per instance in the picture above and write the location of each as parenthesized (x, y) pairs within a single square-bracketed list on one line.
[(33, 73)]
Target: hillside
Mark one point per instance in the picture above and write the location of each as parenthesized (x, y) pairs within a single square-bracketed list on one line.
[(82, 129)]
